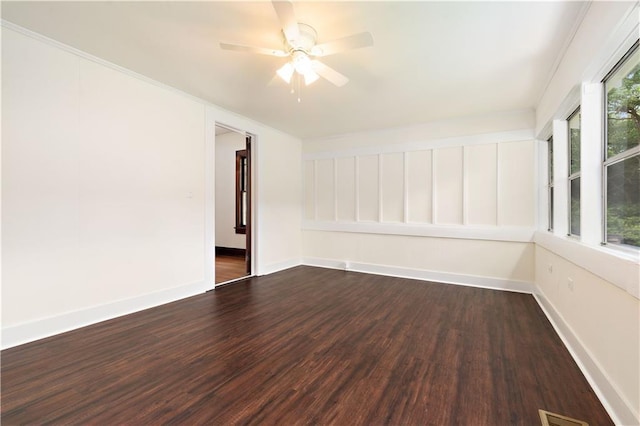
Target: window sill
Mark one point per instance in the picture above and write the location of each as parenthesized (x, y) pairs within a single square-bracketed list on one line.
[(623, 252), (619, 267)]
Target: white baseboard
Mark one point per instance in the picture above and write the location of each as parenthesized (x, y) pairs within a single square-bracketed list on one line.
[(279, 266), (620, 411), (425, 275), (46, 327)]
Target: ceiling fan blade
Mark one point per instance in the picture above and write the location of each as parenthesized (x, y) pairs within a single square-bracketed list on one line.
[(284, 10), (355, 41), (329, 73), (251, 49)]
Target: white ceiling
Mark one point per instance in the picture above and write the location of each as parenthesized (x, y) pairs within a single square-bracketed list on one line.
[(430, 61)]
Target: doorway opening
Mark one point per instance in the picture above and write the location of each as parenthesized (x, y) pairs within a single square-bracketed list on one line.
[(233, 212)]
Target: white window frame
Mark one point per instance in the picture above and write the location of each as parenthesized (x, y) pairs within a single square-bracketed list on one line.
[(618, 158), (573, 176), (617, 265)]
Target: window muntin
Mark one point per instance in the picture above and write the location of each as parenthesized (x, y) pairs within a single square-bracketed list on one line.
[(622, 152), (574, 173)]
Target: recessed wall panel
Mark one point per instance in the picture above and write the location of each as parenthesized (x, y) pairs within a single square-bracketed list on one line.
[(325, 190), (346, 187), (419, 186), (392, 187), (309, 190), (481, 176), (368, 190), (448, 185), (516, 204)]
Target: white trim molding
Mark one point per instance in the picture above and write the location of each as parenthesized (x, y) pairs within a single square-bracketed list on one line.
[(611, 398), (423, 275), (620, 41), (421, 145), (490, 233), (591, 192), (278, 266), (560, 180), (39, 329)]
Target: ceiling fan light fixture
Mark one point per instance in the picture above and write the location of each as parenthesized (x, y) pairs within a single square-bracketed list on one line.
[(310, 77), (301, 48), (286, 72), (301, 62)]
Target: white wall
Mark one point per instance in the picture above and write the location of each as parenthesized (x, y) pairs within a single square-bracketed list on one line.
[(226, 147), (459, 127), (279, 187), (599, 319), (416, 204), (451, 260), (102, 184), (595, 39), (107, 190), (591, 292)]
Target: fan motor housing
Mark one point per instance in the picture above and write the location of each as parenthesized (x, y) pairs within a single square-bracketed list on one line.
[(306, 40)]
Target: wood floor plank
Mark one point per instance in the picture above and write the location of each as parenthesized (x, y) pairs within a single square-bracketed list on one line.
[(230, 267), (306, 346)]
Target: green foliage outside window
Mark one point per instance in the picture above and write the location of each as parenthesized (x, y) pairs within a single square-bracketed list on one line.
[(574, 141), (574, 173), (574, 197), (623, 134), (623, 114), (623, 204)]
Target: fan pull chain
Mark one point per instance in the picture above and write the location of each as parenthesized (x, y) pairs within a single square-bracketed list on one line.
[(296, 86)]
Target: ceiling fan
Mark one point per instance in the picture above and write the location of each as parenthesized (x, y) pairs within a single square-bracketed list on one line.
[(300, 47)]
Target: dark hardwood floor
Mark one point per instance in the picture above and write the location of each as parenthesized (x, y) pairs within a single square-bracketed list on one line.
[(230, 267), (306, 346)]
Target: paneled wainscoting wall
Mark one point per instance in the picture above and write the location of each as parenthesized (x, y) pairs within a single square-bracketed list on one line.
[(457, 209), (471, 188)]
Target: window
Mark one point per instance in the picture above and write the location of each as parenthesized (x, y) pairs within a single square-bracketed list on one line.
[(242, 178), (574, 173), (550, 182), (622, 151)]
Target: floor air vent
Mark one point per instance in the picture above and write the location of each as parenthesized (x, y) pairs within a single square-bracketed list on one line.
[(553, 419)]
